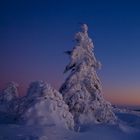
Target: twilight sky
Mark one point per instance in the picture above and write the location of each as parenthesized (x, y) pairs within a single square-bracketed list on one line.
[(35, 33)]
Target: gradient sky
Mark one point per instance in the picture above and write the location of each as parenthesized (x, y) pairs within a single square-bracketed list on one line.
[(34, 34)]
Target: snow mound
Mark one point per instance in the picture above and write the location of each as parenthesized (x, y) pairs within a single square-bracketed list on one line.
[(82, 90), (127, 129), (44, 105)]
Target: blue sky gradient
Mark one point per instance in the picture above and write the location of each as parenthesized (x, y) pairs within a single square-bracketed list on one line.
[(34, 34)]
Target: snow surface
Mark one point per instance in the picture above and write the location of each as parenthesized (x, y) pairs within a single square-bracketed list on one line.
[(124, 131)]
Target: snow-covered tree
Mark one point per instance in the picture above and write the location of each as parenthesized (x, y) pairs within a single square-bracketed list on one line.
[(82, 90), (9, 93), (44, 105), (8, 96)]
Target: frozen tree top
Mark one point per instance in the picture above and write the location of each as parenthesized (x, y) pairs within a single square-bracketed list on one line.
[(84, 28), (83, 52), (83, 39)]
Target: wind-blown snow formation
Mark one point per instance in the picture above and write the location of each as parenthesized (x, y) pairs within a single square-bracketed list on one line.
[(9, 93), (82, 90), (7, 96), (43, 105)]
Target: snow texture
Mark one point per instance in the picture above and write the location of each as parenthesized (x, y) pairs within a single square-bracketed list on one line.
[(43, 105), (7, 96), (9, 93), (82, 90), (90, 131)]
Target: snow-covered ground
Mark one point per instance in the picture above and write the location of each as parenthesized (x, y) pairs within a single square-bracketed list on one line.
[(128, 129)]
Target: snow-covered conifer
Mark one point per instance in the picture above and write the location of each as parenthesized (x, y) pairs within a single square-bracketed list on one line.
[(82, 90), (9, 93), (44, 105)]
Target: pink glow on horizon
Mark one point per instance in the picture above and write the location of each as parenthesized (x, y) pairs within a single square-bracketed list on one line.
[(123, 96), (116, 95)]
